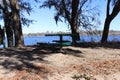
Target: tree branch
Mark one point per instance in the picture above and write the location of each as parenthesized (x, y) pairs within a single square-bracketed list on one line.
[(67, 13), (116, 10), (108, 8)]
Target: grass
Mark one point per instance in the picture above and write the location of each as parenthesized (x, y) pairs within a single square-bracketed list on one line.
[(82, 76)]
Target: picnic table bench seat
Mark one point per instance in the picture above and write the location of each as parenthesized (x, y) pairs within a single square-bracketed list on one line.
[(58, 41), (63, 42)]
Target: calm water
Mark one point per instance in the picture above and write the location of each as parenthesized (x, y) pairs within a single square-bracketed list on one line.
[(43, 39), (48, 39)]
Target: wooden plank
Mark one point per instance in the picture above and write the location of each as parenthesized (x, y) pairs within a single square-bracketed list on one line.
[(63, 43), (58, 41), (60, 35), (57, 34)]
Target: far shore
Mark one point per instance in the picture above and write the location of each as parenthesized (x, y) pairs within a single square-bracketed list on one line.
[(82, 33)]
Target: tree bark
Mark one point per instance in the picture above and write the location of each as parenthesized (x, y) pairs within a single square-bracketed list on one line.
[(109, 18), (106, 30), (19, 42), (7, 23), (74, 22)]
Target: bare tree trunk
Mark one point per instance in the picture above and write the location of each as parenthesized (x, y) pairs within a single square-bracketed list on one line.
[(19, 42), (109, 18), (4, 41), (75, 34), (74, 22), (7, 22), (106, 30)]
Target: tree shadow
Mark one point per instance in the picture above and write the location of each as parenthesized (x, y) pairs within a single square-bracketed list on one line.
[(68, 51), (112, 45), (28, 57), (54, 48), (20, 58)]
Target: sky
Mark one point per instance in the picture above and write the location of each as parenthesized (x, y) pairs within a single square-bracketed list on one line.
[(44, 20)]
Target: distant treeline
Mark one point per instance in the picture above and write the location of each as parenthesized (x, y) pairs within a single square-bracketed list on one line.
[(82, 33)]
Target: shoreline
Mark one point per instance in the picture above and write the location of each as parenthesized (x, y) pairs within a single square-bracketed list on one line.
[(82, 33)]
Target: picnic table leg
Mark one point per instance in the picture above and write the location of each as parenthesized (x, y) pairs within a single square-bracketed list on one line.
[(61, 40)]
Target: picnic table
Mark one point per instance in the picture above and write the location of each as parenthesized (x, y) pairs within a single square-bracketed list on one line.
[(61, 41)]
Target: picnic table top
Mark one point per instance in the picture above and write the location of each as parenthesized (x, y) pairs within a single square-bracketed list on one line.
[(58, 41), (69, 34)]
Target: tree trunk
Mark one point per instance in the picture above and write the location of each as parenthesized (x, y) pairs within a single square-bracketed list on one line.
[(19, 42), (109, 18), (7, 23), (75, 34), (9, 34), (106, 30), (74, 22)]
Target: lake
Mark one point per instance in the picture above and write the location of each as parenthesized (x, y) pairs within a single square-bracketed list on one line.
[(32, 40)]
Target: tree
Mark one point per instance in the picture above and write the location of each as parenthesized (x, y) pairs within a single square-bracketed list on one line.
[(110, 17), (74, 12), (7, 23), (10, 10), (74, 21), (16, 23)]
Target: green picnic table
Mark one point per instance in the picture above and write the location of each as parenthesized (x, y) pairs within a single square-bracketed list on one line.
[(61, 41)]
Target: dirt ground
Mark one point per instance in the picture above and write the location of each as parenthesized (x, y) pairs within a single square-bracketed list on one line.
[(46, 62)]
